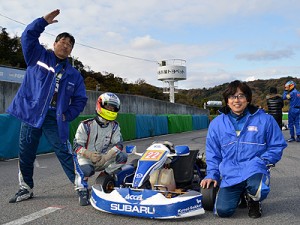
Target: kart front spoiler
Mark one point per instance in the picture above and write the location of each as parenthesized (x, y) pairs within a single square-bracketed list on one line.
[(147, 203)]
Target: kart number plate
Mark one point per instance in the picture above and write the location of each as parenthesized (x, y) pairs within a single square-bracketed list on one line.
[(152, 155)]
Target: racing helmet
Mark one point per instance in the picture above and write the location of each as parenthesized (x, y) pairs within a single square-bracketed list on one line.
[(290, 85), (107, 106)]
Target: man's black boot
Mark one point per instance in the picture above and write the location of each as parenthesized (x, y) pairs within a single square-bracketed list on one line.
[(254, 208)]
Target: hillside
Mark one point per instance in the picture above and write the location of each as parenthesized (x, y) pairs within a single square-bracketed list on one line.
[(260, 89), (11, 55)]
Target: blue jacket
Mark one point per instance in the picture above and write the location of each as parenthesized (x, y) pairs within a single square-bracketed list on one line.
[(231, 158), (294, 98), (32, 100)]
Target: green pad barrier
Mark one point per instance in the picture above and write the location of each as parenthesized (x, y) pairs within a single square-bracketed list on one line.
[(179, 123), (127, 122)]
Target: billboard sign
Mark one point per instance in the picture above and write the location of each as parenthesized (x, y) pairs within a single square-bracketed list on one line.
[(11, 75)]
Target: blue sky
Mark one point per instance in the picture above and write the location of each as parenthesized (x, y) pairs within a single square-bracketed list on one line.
[(221, 40)]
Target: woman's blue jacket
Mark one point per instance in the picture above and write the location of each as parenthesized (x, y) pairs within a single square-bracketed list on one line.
[(232, 159)]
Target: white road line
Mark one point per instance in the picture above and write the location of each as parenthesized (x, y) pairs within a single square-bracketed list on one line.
[(33, 216)]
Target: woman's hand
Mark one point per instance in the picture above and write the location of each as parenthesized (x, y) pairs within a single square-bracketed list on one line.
[(205, 183)]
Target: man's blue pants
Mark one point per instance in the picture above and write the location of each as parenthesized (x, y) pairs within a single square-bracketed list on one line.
[(228, 198), (28, 143)]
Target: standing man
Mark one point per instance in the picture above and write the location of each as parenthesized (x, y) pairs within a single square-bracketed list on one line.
[(275, 105), (51, 95), (293, 95), (241, 143)]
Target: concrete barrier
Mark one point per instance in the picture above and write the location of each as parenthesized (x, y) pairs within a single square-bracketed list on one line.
[(129, 103)]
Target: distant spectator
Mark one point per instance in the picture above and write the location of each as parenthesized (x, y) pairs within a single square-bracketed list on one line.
[(275, 105), (293, 96)]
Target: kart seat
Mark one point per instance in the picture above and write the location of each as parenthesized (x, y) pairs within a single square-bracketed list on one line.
[(183, 168)]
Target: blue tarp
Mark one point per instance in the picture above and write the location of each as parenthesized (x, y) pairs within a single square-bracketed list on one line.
[(9, 138), (161, 125), (150, 125), (200, 122), (144, 126)]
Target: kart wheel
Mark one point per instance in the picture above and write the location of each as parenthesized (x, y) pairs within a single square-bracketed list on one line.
[(209, 197), (107, 182)]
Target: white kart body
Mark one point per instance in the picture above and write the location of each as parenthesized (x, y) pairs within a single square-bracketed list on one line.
[(138, 202)]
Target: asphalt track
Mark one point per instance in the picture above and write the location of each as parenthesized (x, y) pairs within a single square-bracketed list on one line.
[(56, 202)]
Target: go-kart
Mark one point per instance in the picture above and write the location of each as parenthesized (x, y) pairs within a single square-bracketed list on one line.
[(158, 186)]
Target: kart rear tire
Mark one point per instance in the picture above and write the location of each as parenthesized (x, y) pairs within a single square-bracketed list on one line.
[(209, 197), (107, 182)]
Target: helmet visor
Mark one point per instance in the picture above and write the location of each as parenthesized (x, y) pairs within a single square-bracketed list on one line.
[(111, 106)]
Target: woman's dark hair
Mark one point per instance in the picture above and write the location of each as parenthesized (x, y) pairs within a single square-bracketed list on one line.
[(65, 35), (232, 88)]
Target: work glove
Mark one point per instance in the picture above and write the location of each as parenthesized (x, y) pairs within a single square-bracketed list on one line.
[(106, 157), (92, 155)]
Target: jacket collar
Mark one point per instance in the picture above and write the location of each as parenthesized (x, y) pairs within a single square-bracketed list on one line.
[(251, 108)]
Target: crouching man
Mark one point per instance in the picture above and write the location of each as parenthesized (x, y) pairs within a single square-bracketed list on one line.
[(98, 142)]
